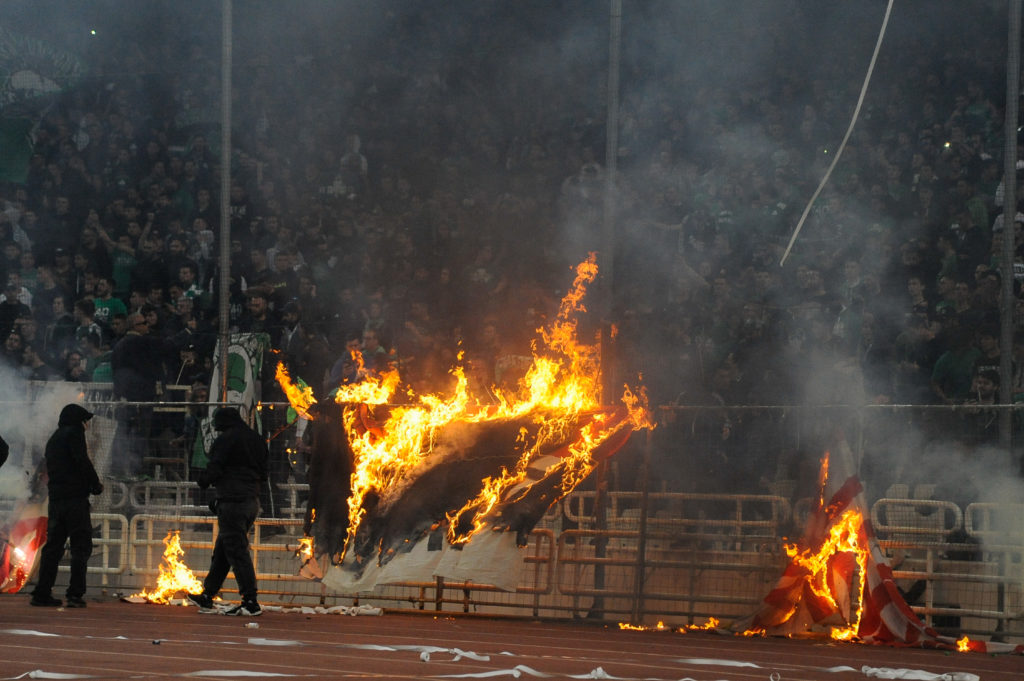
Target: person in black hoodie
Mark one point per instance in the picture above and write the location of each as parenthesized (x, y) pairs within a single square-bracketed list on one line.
[(237, 469), (72, 479)]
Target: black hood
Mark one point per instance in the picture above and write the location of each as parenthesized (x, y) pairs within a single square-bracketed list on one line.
[(227, 417), (74, 415)]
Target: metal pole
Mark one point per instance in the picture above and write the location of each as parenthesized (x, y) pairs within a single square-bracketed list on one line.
[(224, 291), (607, 269), (639, 579), (611, 148), (607, 248), (1009, 224)]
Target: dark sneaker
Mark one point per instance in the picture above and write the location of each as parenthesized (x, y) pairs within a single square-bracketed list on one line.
[(246, 609), (204, 602), (76, 602), (46, 602)]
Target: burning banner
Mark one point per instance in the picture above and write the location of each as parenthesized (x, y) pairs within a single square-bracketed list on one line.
[(436, 487), (839, 579), (20, 541)]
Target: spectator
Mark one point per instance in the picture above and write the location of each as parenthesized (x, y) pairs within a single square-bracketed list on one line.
[(35, 368), (106, 305), (954, 369), (11, 352), (137, 370), (75, 367), (11, 308), (84, 312), (44, 294), (59, 336), (257, 317)]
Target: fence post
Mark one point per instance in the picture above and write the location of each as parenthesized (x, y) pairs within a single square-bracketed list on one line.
[(600, 537), (641, 542)]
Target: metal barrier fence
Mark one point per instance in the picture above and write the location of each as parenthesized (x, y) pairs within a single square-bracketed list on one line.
[(688, 521)]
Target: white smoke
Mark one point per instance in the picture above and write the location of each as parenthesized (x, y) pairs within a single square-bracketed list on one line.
[(28, 416)]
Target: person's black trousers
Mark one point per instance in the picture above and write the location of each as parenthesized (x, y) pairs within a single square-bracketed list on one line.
[(231, 550), (69, 519)]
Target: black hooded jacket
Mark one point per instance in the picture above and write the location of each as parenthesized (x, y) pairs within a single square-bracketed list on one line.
[(70, 472), (238, 458)]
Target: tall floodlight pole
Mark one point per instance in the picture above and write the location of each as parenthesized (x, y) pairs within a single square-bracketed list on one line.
[(607, 270), (1009, 224), (224, 283), (611, 149), (607, 259)]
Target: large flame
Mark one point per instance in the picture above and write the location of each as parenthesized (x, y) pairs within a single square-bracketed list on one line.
[(844, 536), (559, 395), (175, 577)]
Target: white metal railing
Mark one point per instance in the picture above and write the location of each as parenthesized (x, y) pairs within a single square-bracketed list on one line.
[(110, 549), (160, 496), (976, 582), (274, 544), (924, 518), (996, 523)]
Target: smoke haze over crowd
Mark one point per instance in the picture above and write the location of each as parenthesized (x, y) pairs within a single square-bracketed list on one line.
[(481, 127)]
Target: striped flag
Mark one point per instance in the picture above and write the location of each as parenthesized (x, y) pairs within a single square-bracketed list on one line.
[(798, 604)]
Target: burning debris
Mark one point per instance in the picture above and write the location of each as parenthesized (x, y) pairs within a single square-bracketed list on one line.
[(174, 578), (713, 624), (839, 581), (450, 467)]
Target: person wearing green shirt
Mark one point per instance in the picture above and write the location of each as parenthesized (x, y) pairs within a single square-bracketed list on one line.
[(106, 304)]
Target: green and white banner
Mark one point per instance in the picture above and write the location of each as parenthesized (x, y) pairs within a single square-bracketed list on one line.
[(32, 74), (244, 364)]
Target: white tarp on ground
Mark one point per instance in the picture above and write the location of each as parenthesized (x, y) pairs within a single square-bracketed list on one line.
[(490, 558)]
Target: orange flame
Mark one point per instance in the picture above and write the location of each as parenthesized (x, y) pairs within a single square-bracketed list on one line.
[(710, 625), (560, 392), (822, 479), (371, 390), (305, 550), (660, 626), (300, 397), (963, 645), (175, 576), (844, 536)]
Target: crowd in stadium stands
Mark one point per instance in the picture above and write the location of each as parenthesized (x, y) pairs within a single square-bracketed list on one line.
[(415, 205)]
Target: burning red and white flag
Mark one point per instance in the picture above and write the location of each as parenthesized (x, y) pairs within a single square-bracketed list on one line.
[(20, 541), (839, 579)]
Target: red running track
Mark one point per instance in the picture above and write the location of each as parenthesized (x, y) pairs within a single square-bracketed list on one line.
[(115, 640)]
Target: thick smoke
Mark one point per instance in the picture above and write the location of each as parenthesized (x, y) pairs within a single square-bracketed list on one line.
[(723, 103), (26, 425)]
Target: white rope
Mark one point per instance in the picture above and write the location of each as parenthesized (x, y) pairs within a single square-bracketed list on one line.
[(849, 131)]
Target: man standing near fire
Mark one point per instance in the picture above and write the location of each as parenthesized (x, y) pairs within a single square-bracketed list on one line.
[(237, 469), (71, 479)]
